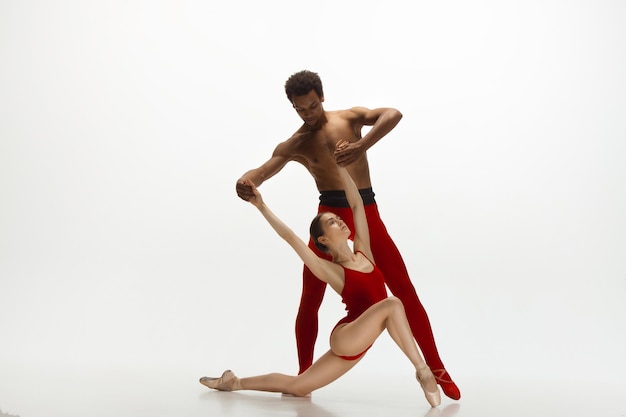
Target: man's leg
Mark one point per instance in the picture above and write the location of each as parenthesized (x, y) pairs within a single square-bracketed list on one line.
[(313, 291), (390, 262)]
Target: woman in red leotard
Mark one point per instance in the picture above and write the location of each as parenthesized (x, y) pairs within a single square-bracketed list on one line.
[(353, 274)]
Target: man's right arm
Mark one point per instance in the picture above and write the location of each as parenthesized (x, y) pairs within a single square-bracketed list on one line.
[(259, 175)]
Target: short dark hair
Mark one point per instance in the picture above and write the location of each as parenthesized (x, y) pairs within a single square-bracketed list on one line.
[(316, 230), (302, 82)]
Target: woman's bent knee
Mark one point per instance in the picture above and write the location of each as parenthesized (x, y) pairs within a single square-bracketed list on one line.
[(394, 302)]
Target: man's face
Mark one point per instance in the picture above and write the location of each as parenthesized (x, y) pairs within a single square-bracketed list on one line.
[(309, 107)]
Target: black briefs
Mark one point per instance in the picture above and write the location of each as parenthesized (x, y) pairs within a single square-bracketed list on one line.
[(337, 198)]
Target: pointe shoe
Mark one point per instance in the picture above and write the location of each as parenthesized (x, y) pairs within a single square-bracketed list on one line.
[(429, 386), (447, 385), (227, 382)]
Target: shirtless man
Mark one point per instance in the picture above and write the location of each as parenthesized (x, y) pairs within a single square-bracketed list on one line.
[(313, 146)]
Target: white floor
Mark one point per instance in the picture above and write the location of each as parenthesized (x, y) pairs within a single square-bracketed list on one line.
[(31, 392)]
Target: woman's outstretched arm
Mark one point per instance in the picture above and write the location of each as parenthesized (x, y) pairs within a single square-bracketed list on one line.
[(361, 232), (321, 268)]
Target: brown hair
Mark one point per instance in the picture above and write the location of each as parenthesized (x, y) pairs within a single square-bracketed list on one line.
[(316, 230)]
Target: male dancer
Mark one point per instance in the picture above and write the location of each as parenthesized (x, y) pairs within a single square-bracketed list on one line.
[(313, 146)]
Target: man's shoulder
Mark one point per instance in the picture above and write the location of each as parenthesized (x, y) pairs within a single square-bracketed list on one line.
[(289, 146), (351, 113)]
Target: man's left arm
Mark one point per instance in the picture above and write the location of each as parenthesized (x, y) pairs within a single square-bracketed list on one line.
[(382, 120)]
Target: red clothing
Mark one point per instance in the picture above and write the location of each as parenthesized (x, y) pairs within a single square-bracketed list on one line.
[(393, 268), (361, 290)]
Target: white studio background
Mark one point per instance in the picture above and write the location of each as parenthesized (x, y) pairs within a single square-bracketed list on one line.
[(124, 126)]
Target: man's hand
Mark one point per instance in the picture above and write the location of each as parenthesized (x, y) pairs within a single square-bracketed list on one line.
[(244, 190), (347, 153), (254, 196)]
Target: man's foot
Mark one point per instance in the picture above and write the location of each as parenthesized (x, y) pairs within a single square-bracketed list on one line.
[(447, 385), (227, 382), (429, 385)]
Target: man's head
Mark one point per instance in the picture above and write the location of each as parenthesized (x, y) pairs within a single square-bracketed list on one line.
[(304, 90), (301, 83)]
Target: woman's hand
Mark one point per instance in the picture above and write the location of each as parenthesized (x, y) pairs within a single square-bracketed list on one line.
[(346, 153), (256, 199), (341, 145)]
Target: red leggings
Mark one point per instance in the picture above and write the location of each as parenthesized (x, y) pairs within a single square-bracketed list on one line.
[(390, 262)]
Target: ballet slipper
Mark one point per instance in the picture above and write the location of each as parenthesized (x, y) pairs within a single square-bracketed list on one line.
[(429, 385), (447, 385), (227, 382)]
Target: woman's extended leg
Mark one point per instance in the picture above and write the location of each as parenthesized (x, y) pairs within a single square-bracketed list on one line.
[(325, 370)]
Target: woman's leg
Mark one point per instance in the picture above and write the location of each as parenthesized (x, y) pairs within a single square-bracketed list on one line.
[(347, 340), (325, 370), (353, 338)]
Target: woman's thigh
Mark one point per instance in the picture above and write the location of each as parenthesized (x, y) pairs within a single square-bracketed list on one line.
[(355, 337)]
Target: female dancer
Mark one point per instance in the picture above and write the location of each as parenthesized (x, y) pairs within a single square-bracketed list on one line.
[(353, 275)]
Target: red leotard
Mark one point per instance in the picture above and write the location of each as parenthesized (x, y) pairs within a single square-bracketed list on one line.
[(361, 290)]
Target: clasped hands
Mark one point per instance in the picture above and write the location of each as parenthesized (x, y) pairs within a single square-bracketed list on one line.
[(346, 152)]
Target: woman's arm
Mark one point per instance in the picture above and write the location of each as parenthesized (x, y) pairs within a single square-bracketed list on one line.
[(324, 270), (361, 232)]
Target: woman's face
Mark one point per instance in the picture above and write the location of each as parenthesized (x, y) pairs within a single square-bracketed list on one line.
[(334, 227)]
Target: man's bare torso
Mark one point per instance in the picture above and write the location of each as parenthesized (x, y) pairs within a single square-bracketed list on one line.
[(314, 147)]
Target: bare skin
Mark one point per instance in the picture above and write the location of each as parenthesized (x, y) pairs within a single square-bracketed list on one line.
[(348, 339), (313, 144)]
